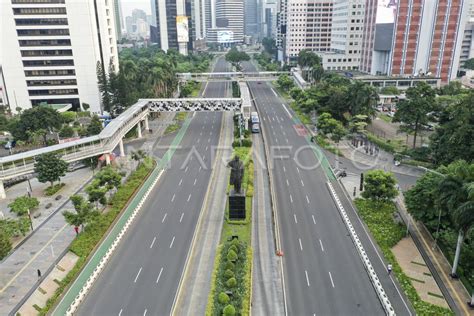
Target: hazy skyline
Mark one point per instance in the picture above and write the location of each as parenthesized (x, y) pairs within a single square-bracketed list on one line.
[(129, 5)]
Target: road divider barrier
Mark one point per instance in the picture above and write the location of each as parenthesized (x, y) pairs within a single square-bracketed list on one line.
[(387, 306)]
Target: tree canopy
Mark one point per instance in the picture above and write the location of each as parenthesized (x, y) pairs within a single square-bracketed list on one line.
[(235, 56), (39, 120), (379, 185), (50, 168)]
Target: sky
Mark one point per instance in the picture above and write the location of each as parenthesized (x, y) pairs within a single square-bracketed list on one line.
[(129, 5)]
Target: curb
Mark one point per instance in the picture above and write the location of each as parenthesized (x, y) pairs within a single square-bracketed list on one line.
[(387, 306)]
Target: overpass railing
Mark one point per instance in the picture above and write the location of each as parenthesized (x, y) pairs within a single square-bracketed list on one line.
[(232, 76)]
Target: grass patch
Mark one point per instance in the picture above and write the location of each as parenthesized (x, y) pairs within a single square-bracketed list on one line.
[(181, 116), (379, 218), (436, 295), (85, 243), (172, 128), (386, 118), (52, 190), (325, 144), (416, 280)]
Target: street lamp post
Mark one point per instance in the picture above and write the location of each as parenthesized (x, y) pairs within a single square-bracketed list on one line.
[(31, 222)]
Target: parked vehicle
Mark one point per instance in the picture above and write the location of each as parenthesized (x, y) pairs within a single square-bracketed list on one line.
[(254, 122)]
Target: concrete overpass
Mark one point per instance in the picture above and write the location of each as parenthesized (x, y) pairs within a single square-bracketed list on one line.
[(232, 76)]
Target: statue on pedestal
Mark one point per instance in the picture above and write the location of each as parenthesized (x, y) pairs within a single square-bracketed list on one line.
[(236, 173)]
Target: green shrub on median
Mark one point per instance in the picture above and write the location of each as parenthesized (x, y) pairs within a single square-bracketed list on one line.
[(85, 242), (379, 218)]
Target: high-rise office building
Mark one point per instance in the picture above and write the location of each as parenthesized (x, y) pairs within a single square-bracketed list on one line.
[(281, 29), (309, 25), (119, 24), (346, 35), (173, 24), (230, 16), (251, 17), (53, 51), (425, 37), (269, 19)]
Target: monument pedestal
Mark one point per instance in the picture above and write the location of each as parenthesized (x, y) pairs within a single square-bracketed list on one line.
[(237, 205)]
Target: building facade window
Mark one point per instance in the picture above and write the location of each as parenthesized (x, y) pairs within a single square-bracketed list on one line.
[(54, 52), (59, 42), (43, 32), (38, 11), (40, 73), (43, 21), (53, 92), (46, 63), (53, 82)]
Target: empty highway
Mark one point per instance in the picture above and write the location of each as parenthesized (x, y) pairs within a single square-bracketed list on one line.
[(143, 275), (323, 272)]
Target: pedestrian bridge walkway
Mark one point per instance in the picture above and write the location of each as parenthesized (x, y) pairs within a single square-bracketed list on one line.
[(232, 76), (112, 135)]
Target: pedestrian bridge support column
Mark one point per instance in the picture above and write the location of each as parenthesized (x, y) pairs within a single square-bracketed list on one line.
[(3, 195), (139, 129), (147, 126), (107, 159), (122, 149)]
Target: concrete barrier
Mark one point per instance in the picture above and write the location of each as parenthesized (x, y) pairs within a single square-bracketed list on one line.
[(387, 306)]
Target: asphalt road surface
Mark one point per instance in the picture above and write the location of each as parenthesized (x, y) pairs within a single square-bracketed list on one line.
[(143, 275), (323, 272)]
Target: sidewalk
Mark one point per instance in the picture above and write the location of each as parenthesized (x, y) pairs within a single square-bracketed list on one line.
[(52, 236)]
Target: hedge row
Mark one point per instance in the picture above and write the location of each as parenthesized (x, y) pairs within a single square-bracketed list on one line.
[(379, 218), (231, 280), (86, 241)]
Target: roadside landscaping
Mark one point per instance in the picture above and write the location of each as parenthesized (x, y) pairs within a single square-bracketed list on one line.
[(86, 241), (231, 283), (379, 217), (178, 120)]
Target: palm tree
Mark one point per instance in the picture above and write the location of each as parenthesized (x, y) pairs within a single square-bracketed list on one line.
[(456, 193)]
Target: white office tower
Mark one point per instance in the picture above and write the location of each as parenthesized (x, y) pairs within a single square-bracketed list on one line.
[(269, 19), (230, 16), (346, 35), (50, 49), (467, 46), (309, 25), (198, 19), (119, 24)]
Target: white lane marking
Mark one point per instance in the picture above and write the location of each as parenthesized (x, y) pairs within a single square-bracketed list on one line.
[(200, 134), (282, 119), (298, 169), (291, 199), (164, 217), (286, 110), (296, 221), (276, 139), (302, 183), (287, 183), (307, 199), (264, 119), (307, 279), (301, 245), (195, 181), (273, 119), (180, 181), (200, 167), (314, 220), (284, 133), (206, 149), (287, 140), (284, 169), (274, 93), (189, 197), (208, 140), (186, 170), (153, 242), (211, 131), (199, 140), (172, 199), (172, 241), (159, 275), (321, 243), (144, 312), (120, 313), (136, 278), (181, 218), (332, 282)]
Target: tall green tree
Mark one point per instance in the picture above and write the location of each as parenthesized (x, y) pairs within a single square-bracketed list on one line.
[(84, 213), (285, 82), (456, 194), (453, 138), (413, 112), (95, 126), (379, 185), (39, 120), (269, 45), (362, 98), (50, 168), (104, 87)]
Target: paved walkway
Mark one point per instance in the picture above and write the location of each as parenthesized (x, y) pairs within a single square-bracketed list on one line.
[(49, 285), (50, 240)]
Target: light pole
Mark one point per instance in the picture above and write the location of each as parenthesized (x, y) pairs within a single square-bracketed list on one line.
[(31, 222), (439, 215)]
